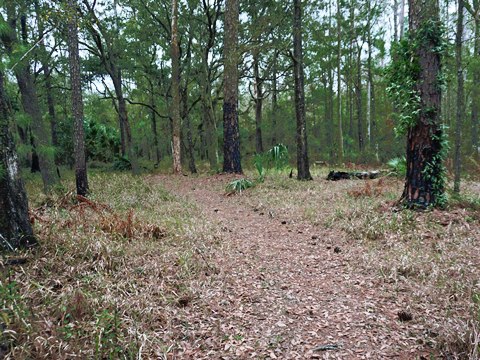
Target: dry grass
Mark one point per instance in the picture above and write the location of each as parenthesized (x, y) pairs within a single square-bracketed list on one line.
[(112, 276), (429, 262), (125, 273)]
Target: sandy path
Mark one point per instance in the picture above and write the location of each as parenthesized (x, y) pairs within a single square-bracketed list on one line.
[(282, 290)]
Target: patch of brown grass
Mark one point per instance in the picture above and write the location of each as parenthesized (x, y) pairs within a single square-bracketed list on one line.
[(428, 261), (112, 276)]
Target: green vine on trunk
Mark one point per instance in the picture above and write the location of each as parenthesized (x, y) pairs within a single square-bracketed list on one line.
[(403, 74)]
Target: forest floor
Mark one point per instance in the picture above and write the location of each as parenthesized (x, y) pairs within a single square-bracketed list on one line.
[(174, 268)]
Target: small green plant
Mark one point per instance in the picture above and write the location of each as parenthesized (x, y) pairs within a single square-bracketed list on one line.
[(107, 340), (239, 185), (258, 162), (121, 163), (398, 166), (13, 313), (278, 156)]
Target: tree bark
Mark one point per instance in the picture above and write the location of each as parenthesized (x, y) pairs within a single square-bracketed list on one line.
[(460, 98), (476, 80), (339, 86), (372, 124), (274, 99), (15, 228), (401, 18), (231, 132), (185, 110), (153, 117), (125, 130), (175, 112), (30, 103), (48, 80), (258, 93), (303, 168), (81, 178), (424, 138), (358, 96)]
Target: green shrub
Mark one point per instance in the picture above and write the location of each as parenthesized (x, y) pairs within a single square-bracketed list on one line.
[(239, 185), (398, 166)]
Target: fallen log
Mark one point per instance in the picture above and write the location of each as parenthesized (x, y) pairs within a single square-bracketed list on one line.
[(344, 175)]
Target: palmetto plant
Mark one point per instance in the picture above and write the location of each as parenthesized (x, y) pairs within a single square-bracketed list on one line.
[(276, 157), (239, 185)]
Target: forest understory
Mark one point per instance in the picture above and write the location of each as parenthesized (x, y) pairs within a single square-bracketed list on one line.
[(171, 267)]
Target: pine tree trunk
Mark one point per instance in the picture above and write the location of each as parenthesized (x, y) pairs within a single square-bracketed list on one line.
[(15, 228), (274, 99), (175, 112), (303, 168), (41, 136), (77, 101), (339, 86), (372, 124), (125, 130), (231, 132), (460, 102), (48, 80), (476, 90), (358, 96), (153, 117), (401, 18), (185, 110), (258, 103), (395, 20), (422, 186)]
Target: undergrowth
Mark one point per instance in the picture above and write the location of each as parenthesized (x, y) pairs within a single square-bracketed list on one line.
[(111, 272), (428, 259)]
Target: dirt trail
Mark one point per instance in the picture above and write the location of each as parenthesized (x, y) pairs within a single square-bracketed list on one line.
[(283, 290)]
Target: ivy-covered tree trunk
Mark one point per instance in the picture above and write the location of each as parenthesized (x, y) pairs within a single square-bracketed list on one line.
[(175, 112), (77, 101), (303, 167), (424, 184), (231, 132), (15, 228)]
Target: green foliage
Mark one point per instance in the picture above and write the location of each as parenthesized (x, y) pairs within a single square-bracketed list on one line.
[(121, 163), (435, 171), (278, 156), (403, 72), (403, 75), (13, 312), (398, 166), (239, 185), (258, 163), (107, 344), (102, 141)]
